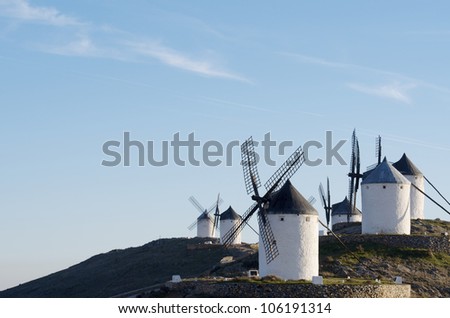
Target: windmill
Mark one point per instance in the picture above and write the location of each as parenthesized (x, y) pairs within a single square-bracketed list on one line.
[(205, 226), (386, 201), (252, 183), (354, 174), (326, 201)]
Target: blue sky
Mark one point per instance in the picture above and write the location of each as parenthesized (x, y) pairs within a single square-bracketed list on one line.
[(76, 74)]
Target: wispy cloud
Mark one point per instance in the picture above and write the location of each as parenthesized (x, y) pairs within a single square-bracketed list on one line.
[(81, 46), (180, 60), (315, 60), (90, 40), (24, 11), (395, 91), (328, 63)]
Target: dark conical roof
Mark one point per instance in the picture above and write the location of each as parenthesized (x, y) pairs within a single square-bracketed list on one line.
[(406, 167), (204, 216), (385, 173), (289, 201), (230, 214), (344, 207)]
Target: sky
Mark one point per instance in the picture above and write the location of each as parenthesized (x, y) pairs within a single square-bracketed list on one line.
[(77, 74)]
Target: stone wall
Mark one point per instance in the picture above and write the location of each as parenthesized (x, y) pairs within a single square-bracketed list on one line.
[(270, 290), (438, 244)]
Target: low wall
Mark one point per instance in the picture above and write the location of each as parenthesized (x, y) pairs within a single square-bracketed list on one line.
[(269, 290), (438, 244)]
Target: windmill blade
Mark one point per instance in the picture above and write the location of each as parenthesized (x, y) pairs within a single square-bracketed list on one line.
[(358, 167), (191, 227), (351, 187), (322, 196), (231, 235), (216, 221), (214, 206), (312, 200), (212, 222), (326, 201), (249, 166), (328, 193), (267, 237), (378, 149), (215, 226), (352, 161), (216, 215), (329, 207), (353, 140), (354, 173), (196, 204), (286, 171), (350, 196), (356, 177)]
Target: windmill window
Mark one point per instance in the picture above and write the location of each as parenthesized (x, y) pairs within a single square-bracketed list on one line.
[(308, 219), (401, 187), (282, 219), (384, 187)]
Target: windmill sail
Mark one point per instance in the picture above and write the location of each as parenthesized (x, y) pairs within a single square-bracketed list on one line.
[(326, 200), (252, 183), (354, 174)]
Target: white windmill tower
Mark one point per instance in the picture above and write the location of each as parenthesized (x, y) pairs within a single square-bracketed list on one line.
[(295, 226), (206, 225), (288, 224), (416, 177), (228, 220), (386, 201)]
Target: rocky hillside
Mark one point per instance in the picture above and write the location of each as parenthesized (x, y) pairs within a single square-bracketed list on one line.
[(418, 227), (121, 271)]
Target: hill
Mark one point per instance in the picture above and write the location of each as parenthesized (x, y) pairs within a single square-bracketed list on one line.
[(121, 271)]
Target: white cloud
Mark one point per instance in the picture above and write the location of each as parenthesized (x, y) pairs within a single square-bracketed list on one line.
[(316, 60), (81, 46), (179, 60), (22, 10), (398, 92), (115, 44), (323, 62)]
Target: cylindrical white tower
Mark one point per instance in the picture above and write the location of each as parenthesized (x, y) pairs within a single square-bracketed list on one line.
[(340, 211), (386, 201), (205, 225), (294, 223), (415, 176), (228, 219)]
